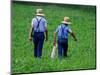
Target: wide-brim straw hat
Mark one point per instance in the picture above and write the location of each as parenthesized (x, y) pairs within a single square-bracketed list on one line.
[(66, 20), (39, 12)]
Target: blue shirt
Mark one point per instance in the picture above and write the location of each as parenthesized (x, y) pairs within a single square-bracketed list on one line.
[(62, 31), (42, 24)]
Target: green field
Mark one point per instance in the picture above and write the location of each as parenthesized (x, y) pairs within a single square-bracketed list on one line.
[(81, 54)]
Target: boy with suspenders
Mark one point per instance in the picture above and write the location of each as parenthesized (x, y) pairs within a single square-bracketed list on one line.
[(38, 32), (62, 32)]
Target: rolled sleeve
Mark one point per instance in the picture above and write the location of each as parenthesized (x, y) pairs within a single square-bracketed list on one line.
[(57, 30), (45, 23), (32, 22), (69, 30)]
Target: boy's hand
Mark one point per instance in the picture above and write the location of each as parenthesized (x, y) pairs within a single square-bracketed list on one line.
[(30, 38), (54, 43), (75, 39), (46, 39)]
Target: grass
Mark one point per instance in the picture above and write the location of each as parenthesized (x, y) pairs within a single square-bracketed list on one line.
[(81, 55)]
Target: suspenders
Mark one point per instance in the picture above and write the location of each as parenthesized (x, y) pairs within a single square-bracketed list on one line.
[(62, 32), (37, 28)]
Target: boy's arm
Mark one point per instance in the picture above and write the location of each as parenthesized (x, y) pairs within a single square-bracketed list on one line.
[(30, 34), (73, 35), (46, 34), (54, 39)]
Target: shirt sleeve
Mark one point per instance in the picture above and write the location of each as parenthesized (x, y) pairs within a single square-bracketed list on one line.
[(57, 30), (32, 22), (69, 30), (45, 23)]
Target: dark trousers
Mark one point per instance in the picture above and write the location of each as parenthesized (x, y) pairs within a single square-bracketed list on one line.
[(38, 40), (62, 47)]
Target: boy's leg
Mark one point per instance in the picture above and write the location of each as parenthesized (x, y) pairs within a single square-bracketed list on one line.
[(65, 48), (40, 44), (35, 41), (60, 49)]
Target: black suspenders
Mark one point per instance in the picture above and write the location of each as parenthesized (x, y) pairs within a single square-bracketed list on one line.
[(37, 28)]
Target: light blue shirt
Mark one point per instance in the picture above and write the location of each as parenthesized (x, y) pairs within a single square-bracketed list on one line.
[(42, 25), (62, 31)]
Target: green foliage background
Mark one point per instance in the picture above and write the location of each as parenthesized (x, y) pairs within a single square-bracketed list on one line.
[(81, 55)]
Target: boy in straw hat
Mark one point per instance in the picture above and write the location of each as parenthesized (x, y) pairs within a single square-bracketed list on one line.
[(62, 32), (38, 32)]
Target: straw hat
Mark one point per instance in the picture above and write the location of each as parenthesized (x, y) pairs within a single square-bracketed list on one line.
[(66, 20), (39, 12)]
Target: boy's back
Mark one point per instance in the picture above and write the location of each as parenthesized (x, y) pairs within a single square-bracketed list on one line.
[(63, 31)]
